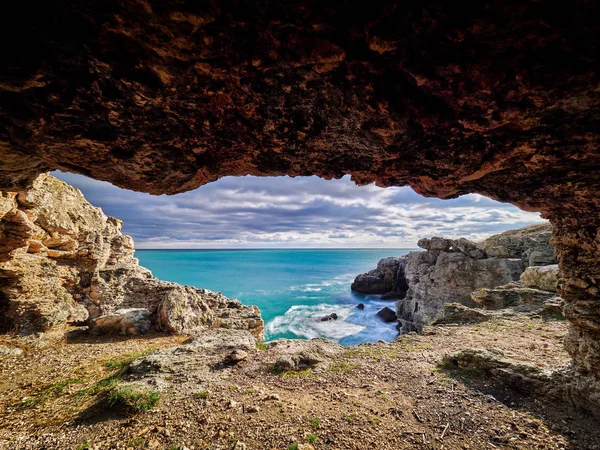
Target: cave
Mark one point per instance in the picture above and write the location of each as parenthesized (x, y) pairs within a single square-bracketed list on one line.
[(500, 99)]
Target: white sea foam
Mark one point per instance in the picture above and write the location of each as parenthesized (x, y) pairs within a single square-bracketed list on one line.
[(304, 321), (339, 281)]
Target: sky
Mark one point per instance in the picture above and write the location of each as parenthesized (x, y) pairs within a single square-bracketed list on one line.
[(302, 212)]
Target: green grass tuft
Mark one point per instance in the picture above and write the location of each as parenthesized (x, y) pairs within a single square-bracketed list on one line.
[(203, 395), (314, 422), (136, 400)]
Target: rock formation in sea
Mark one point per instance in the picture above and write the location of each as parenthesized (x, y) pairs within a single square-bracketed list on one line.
[(64, 261), (450, 270)]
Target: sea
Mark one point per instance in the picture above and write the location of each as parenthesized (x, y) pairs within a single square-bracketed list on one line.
[(292, 288)]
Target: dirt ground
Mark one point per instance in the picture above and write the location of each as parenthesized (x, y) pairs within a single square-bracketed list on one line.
[(374, 396)]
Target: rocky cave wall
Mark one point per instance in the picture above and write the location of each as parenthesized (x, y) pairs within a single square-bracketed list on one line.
[(500, 98)]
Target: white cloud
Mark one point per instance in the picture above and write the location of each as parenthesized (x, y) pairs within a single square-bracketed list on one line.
[(251, 212)]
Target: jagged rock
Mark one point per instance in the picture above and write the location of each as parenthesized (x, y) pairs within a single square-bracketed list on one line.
[(468, 248), (64, 261), (237, 355), (132, 321), (541, 277), (451, 269), (387, 314), (435, 278), (380, 280), (332, 316), (435, 244), (361, 306), (531, 244), (460, 314), (512, 295)]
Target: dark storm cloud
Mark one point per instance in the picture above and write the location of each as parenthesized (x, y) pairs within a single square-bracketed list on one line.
[(296, 212)]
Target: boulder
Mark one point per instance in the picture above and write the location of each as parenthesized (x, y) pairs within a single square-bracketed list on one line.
[(455, 313), (387, 314), (132, 321), (327, 318), (541, 277), (295, 354), (361, 306)]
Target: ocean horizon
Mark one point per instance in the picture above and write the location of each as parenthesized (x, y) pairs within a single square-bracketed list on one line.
[(293, 288)]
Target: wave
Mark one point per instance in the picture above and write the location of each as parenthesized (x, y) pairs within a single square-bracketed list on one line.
[(336, 282), (304, 321)]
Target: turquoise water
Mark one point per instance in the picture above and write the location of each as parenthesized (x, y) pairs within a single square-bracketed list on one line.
[(292, 288)]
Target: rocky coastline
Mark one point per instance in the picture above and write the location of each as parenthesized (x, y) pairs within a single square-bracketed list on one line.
[(64, 262), (516, 269)]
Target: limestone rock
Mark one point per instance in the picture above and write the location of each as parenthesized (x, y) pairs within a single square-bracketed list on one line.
[(531, 244), (460, 314), (451, 269), (132, 321), (64, 261), (512, 295), (8, 351), (315, 354), (237, 355), (541, 277), (435, 278)]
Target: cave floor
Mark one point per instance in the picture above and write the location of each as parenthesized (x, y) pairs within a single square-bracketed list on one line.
[(375, 396)]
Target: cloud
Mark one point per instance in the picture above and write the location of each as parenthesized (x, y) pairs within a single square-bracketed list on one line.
[(247, 212)]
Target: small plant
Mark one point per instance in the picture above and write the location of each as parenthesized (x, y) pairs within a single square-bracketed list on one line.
[(249, 391), (373, 420), (293, 447), (291, 373), (261, 346), (122, 362), (314, 422), (202, 395), (341, 366), (350, 418), (233, 388), (51, 390), (136, 442), (312, 438), (84, 446), (137, 401)]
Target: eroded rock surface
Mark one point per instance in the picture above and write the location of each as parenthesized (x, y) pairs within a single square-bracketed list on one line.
[(64, 261)]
